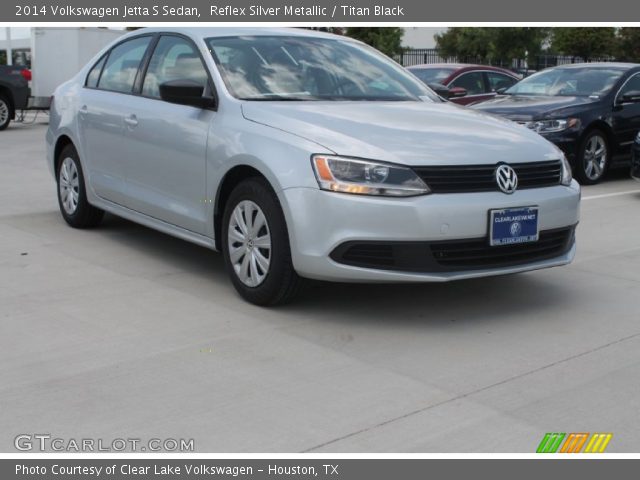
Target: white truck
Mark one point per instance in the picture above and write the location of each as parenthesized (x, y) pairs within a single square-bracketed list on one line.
[(58, 53)]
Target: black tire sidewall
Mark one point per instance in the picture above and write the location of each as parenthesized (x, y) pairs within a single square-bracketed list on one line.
[(81, 217), (280, 267), (4, 100), (580, 173)]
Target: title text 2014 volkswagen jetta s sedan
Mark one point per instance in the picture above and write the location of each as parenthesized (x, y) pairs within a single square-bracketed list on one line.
[(304, 155)]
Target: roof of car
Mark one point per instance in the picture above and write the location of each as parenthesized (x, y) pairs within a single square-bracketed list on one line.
[(207, 32), (459, 66), (622, 65), (453, 66)]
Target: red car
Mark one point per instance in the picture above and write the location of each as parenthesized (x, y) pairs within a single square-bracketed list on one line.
[(467, 83)]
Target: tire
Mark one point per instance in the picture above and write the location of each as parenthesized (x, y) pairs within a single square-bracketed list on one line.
[(253, 218), (72, 196), (591, 167), (5, 112)]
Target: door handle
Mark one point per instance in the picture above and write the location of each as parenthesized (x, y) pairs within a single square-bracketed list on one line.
[(84, 110), (131, 120)]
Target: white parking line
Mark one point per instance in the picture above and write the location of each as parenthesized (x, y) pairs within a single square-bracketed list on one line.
[(606, 195)]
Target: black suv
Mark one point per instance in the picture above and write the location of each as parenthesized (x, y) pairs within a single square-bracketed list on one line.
[(591, 111), (14, 92)]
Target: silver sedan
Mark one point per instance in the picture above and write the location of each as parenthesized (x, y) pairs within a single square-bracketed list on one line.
[(299, 154)]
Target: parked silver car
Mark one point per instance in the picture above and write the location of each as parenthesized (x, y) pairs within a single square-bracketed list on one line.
[(299, 154)]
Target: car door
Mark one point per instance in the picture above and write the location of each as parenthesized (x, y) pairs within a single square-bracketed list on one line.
[(626, 115), (107, 90), (473, 83), (166, 143)]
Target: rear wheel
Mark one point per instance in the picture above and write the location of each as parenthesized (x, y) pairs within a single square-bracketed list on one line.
[(72, 194), (5, 112), (255, 245), (593, 158)]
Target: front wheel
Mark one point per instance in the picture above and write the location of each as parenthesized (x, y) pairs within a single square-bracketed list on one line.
[(593, 158), (255, 245)]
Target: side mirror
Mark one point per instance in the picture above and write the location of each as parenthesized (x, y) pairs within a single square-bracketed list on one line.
[(632, 96), (185, 92), (440, 89), (457, 92)]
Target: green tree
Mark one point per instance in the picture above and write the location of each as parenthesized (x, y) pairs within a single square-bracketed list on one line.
[(492, 43), (386, 39), (518, 42), (584, 42), (447, 42), (464, 42), (628, 48)]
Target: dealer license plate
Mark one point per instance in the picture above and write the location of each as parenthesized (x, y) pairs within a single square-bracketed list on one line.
[(513, 225)]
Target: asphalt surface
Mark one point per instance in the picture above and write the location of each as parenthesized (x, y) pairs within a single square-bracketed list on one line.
[(123, 332)]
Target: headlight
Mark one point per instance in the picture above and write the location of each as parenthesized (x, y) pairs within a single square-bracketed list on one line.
[(553, 126), (364, 177), (566, 172)]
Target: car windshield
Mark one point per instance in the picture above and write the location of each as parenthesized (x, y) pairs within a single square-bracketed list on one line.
[(432, 75), (309, 68), (579, 82)]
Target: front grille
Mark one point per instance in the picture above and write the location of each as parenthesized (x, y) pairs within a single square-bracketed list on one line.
[(451, 256), (479, 254), (482, 178)]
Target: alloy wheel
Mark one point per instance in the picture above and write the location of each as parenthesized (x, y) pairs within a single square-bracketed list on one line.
[(595, 157)]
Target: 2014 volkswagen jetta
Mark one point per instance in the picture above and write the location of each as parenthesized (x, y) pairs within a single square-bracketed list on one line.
[(301, 154)]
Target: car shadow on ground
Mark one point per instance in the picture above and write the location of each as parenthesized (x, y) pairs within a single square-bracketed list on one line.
[(490, 297)]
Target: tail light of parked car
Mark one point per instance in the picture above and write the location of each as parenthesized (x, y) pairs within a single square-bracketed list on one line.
[(26, 74)]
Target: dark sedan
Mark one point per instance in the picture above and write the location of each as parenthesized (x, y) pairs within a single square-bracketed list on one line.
[(635, 163), (591, 111), (465, 84)]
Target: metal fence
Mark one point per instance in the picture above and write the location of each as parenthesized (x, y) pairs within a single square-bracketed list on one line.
[(418, 56)]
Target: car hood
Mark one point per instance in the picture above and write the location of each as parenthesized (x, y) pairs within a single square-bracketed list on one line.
[(411, 133), (531, 107)]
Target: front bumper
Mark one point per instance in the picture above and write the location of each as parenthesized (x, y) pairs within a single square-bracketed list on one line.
[(321, 221), (566, 141)]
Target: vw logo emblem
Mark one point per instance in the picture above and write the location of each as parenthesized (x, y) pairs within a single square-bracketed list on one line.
[(506, 178), (516, 229)]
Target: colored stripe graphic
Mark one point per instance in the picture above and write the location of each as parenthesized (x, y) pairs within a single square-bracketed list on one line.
[(598, 443), (574, 443), (550, 442)]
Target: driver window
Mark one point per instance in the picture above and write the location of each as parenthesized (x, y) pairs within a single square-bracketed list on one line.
[(174, 58), (471, 82), (632, 85)]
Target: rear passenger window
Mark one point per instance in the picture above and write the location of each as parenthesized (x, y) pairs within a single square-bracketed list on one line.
[(94, 74), (119, 73), (174, 58)]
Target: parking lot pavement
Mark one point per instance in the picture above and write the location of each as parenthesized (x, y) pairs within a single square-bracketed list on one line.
[(122, 332)]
